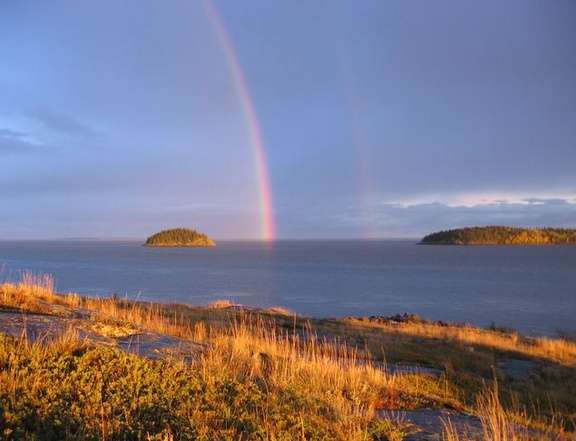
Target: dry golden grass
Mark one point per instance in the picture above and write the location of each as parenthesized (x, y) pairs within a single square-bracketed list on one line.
[(38, 285), (111, 330), (35, 293), (496, 422), (221, 304), (144, 316), (280, 310), (255, 351), (252, 345), (29, 293), (500, 424), (66, 342), (284, 357), (558, 350)]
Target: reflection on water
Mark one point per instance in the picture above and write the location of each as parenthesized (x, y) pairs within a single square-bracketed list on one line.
[(530, 288)]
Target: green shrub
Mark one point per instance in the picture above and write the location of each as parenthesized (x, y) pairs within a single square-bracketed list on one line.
[(106, 394)]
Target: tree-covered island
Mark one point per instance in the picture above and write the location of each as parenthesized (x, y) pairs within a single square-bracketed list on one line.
[(500, 235), (179, 237)]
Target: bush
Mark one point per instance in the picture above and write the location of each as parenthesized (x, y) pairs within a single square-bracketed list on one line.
[(104, 394)]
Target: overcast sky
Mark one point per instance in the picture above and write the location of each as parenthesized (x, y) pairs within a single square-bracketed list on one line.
[(380, 118)]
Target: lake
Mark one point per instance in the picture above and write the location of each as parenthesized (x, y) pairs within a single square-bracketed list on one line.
[(532, 289)]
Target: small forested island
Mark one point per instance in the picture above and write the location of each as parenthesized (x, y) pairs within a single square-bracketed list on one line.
[(179, 237), (500, 235)]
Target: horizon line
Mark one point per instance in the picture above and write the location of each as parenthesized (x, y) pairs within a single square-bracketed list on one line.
[(228, 239)]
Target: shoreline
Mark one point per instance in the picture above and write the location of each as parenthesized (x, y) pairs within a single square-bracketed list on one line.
[(225, 304), (431, 371)]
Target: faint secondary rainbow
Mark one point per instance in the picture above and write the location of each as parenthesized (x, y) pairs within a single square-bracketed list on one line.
[(371, 220), (267, 221)]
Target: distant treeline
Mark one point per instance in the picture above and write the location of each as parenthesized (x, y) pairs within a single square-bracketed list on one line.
[(179, 237), (498, 235)]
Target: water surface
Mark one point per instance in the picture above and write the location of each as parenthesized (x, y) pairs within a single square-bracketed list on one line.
[(532, 289)]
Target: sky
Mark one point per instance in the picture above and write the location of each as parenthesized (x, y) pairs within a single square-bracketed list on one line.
[(377, 119)]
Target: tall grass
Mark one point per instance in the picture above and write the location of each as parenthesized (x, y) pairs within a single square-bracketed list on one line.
[(148, 317), (504, 424), (555, 349), (32, 293), (35, 289), (496, 423), (38, 285)]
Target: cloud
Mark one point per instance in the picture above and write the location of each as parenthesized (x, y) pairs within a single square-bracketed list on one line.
[(62, 123), (417, 219), (389, 219), (12, 134), (489, 199), (15, 142)]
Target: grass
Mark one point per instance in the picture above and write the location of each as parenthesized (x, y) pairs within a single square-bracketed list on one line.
[(265, 376), (254, 383), (470, 359), (553, 349), (499, 423)]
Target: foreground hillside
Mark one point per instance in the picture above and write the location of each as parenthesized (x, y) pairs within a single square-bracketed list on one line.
[(77, 368), (496, 235)]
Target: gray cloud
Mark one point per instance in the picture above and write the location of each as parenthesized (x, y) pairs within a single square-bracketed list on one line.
[(396, 220), (422, 218), (62, 123), (15, 142), (11, 134)]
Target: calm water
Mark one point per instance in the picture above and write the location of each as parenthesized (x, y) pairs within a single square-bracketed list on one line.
[(532, 289)]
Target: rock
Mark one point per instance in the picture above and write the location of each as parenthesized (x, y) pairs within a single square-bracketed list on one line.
[(429, 424), (400, 368), (401, 319), (146, 344)]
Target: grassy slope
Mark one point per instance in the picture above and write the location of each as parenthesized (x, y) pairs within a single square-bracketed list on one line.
[(264, 376)]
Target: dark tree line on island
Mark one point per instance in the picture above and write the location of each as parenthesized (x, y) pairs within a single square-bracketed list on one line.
[(499, 235), (179, 237)]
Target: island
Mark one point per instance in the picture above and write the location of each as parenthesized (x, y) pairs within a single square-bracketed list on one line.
[(179, 237), (502, 235)]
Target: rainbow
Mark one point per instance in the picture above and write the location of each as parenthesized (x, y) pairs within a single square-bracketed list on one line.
[(267, 221), (367, 185)]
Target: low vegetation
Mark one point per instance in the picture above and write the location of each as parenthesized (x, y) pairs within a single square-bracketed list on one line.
[(179, 237), (68, 391), (270, 376), (498, 235)]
